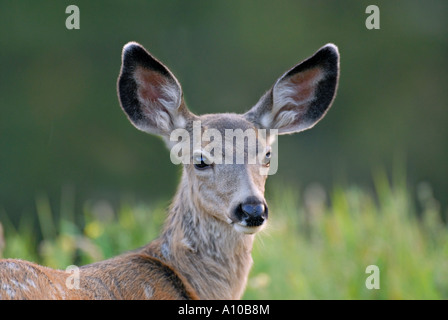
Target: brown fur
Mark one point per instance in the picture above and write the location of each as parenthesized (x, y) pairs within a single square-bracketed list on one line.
[(145, 278)]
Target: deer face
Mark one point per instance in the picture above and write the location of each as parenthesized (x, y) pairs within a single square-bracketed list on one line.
[(227, 179)]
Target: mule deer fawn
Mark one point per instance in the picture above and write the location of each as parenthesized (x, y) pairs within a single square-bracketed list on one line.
[(204, 250)]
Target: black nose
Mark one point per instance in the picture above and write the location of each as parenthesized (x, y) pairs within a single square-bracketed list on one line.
[(252, 211)]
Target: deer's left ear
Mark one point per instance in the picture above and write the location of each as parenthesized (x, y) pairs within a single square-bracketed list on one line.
[(150, 94), (302, 96)]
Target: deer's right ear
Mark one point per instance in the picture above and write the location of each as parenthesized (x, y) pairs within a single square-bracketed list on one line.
[(149, 93), (302, 96)]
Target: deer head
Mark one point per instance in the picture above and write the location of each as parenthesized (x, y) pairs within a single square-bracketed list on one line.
[(230, 191)]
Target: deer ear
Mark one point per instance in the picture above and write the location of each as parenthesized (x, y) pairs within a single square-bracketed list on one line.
[(149, 93), (302, 96)]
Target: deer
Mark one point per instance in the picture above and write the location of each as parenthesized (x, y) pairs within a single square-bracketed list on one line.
[(204, 248)]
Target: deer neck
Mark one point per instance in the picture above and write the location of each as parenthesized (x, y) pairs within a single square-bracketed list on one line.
[(209, 253)]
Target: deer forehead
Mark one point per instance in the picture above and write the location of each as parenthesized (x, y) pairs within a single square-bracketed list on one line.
[(223, 121), (229, 125)]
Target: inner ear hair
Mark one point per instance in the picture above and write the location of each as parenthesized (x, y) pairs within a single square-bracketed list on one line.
[(300, 97), (149, 93)]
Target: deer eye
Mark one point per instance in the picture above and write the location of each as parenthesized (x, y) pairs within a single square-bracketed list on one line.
[(200, 162), (267, 159)]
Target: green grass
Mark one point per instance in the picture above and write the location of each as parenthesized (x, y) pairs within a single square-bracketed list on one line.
[(317, 246)]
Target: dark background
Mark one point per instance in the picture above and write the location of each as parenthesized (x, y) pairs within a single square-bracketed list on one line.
[(61, 125)]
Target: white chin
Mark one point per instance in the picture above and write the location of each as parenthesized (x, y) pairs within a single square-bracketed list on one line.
[(247, 230)]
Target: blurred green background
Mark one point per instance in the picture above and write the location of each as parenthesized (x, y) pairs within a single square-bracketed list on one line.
[(63, 134)]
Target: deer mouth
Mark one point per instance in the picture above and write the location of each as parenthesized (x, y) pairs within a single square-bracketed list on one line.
[(246, 229)]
